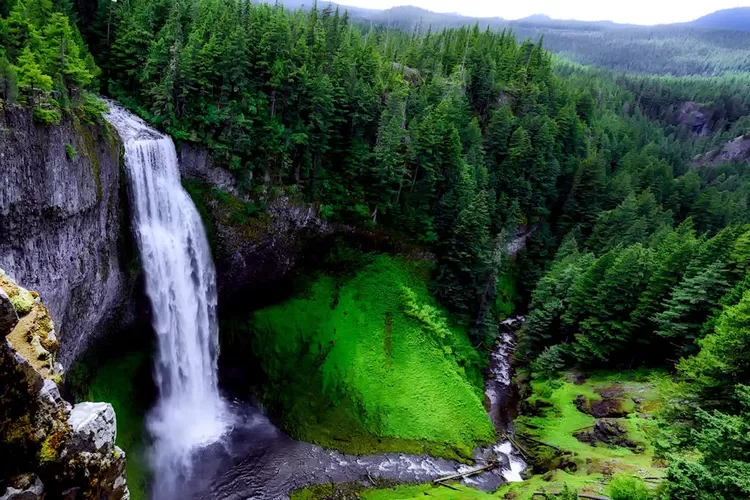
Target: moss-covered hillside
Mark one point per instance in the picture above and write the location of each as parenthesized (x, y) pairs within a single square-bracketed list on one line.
[(556, 411), (368, 362)]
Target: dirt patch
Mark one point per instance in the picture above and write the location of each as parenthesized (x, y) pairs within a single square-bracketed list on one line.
[(606, 431), (609, 406)]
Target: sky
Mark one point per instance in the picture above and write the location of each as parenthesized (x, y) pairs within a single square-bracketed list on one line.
[(621, 11)]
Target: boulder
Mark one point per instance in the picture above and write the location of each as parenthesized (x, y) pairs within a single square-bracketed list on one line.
[(606, 431), (94, 427)]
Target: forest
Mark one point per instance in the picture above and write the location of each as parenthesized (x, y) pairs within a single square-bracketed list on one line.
[(458, 140)]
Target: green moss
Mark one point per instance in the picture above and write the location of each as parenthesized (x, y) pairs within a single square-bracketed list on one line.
[(455, 492), (370, 363), (116, 382), (217, 206), (557, 419), (22, 300), (89, 139), (51, 446)]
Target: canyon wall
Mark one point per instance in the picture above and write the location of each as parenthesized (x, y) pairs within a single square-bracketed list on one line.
[(63, 224)]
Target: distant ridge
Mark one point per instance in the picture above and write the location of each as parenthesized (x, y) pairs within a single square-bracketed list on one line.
[(728, 19), (713, 45)]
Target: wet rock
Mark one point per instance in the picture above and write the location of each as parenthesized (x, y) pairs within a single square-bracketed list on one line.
[(606, 431), (24, 487), (577, 378), (8, 316), (195, 163), (94, 427), (249, 256)]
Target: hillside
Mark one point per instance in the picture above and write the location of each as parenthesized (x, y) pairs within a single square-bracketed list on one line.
[(728, 19), (703, 47)]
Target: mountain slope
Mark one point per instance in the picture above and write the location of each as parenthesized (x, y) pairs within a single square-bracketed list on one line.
[(710, 46), (728, 19)]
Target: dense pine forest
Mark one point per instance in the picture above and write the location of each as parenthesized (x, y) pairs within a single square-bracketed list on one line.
[(459, 141)]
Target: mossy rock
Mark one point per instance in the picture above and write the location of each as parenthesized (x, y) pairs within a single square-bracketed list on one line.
[(22, 299)]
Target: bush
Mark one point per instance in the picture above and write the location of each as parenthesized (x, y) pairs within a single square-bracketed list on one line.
[(70, 151), (549, 362), (623, 487), (46, 116), (565, 494)]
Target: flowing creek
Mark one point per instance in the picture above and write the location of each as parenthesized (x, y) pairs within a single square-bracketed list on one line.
[(258, 461), (205, 447)]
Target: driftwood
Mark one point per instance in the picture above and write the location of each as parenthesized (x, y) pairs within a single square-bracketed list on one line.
[(470, 472), (521, 450), (448, 486), (580, 495)]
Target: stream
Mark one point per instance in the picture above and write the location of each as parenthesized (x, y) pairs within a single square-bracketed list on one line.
[(256, 460)]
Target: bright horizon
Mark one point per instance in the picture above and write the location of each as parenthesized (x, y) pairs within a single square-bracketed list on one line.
[(646, 12)]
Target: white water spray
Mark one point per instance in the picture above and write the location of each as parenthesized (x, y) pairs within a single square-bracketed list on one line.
[(181, 285)]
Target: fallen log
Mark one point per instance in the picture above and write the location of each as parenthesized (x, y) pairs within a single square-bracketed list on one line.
[(470, 472), (448, 486), (580, 495), (517, 446), (542, 443)]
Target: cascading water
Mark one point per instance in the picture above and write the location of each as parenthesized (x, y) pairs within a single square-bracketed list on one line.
[(181, 285)]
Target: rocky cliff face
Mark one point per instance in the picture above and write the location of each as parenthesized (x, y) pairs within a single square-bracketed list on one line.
[(693, 116), (62, 220), (48, 448), (737, 149), (249, 252)]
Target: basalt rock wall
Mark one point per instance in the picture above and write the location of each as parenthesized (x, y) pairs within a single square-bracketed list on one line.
[(64, 225)]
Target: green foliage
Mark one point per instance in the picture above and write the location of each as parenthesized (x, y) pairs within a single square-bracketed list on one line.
[(624, 487), (116, 382), (70, 151), (41, 52), (420, 380), (549, 362)]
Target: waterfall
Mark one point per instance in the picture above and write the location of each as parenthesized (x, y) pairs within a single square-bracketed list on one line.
[(181, 286)]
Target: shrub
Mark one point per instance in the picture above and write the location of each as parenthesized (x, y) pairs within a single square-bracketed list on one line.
[(549, 362), (623, 487), (70, 151)]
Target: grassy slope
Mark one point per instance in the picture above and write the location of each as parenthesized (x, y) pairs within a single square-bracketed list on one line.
[(114, 382), (555, 425), (370, 363)]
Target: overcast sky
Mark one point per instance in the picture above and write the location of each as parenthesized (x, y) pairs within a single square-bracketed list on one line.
[(622, 11)]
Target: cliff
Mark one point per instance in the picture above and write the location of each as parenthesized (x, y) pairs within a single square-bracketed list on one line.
[(63, 223), (737, 149), (49, 448), (251, 249)]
